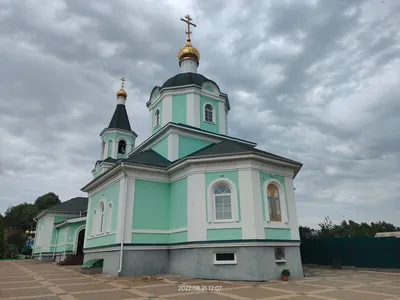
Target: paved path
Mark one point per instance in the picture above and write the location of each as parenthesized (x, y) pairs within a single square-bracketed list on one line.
[(27, 279)]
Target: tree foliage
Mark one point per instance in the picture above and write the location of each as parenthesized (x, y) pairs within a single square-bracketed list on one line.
[(2, 238), (346, 229), (47, 200)]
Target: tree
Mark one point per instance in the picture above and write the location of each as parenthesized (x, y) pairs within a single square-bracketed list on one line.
[(17, 238), (2, 238), (305, 232), (20, 216), (47, 200)]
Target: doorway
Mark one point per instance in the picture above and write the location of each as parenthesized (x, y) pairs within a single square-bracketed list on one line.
[(81, 239)]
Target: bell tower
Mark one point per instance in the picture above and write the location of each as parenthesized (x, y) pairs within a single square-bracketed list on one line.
[(118, 139)]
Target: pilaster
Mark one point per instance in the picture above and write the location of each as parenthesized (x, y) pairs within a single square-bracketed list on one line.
[(196, 208)]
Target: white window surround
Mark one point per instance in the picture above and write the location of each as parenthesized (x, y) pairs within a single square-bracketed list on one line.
[(156, 118), (213, 113), (101, 217), (109, 217), (94, 221), (211, 85), (211, 202), (282, 199), (224, 262)]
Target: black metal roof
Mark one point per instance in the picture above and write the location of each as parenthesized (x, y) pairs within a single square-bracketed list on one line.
[(74, 205), (148, 157), (182, 79), (120, 119)]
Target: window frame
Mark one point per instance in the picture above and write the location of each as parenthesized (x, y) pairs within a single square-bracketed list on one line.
[(213, 113), (109, 217), (101, 224), (118, 145), (272, 205), (94, 221), (211, 201), (224, 262), (282, 258), (215, 196), (157, 117)]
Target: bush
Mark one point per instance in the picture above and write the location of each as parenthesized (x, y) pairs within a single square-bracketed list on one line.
[(27, 251), (11, 252), (2, 241)]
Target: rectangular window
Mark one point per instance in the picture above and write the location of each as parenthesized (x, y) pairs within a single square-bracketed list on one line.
[(279, 254), (223, 210), (225, 258)]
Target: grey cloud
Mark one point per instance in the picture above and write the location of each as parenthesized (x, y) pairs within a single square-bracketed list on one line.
[(319, 90)]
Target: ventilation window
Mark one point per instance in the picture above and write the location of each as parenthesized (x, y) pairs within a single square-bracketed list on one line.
[(121, 147), (279, 254), (225, 258)]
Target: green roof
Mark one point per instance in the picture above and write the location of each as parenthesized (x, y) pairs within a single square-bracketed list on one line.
[(148, 157), (74, 205)]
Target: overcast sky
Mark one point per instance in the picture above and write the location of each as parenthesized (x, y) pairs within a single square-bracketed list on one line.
[(314, 81)]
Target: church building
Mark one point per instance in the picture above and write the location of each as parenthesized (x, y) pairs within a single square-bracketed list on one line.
[(190, 200)]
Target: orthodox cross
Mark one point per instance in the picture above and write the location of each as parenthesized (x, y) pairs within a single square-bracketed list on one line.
[(188, 22), (123, 82)]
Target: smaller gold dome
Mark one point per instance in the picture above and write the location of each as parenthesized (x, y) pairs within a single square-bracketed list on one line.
[(189, 52), (122, 93)]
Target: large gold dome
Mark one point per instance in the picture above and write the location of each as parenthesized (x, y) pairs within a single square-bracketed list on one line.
[(189, 52)]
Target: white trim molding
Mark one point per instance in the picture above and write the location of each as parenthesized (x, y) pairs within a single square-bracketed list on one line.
[(213, 111), (224, 262), (159, 231)]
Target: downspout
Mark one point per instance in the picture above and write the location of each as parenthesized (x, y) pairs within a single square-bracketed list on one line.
[(123, 219), (55, 246), (34, 248)]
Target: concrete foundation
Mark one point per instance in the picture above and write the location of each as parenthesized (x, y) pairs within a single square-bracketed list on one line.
[(252, 263)]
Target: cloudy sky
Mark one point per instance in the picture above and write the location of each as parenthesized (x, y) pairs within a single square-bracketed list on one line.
[(315, 81)]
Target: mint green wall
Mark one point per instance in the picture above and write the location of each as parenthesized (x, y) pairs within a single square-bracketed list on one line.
[(159, 238), (108, 239), (179, 111), (208, 126), (232, 176), (58, 240), (224, 234), (155, 129), (209, 88), (277, 234), (178, 204), (150, 238), (189, 145), (151, 205), (263, 178), (109, 147), (58, 219), (162, 147), (111, 194)]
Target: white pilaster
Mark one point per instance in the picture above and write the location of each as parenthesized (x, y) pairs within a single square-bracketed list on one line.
[(196, 110), (151, 122), (189, 66), (166, 110), (114, 149), (196, 207), (173, 147), (190, 109), (121, 200), (291, 208), (222, 118), (89, 220), (250, 204), (129, 204)]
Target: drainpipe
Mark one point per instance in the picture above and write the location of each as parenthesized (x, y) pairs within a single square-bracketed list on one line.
[(123, 219), (66, 238), (55, 246), (36, 231)]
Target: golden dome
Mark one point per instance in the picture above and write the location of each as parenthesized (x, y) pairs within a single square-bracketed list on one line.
[(188, 52), (122, 93)]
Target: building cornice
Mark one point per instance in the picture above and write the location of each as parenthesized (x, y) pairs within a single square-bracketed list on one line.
[(116, 130)]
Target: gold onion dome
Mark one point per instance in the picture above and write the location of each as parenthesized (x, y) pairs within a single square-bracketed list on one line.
[(189, 52), (122, 92)]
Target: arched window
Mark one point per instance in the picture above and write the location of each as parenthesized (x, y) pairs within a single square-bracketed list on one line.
[(94, 221), (103, 149), (274, 203), (208, 113), (157, 118), (121, 147), (223, 203), (109, 217), (101, 217)]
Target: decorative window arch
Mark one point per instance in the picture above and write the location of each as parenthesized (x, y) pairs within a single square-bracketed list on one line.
[(121, 147), (103, 149), (222, 202), (156, 117), (94, 222), (109, 148), (109, 217), (101, 219), (275, 202), (209, 113)]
